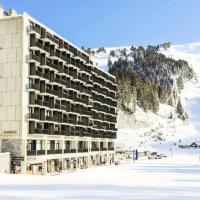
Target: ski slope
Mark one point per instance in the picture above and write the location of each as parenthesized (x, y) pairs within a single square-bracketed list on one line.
[(191, 93)]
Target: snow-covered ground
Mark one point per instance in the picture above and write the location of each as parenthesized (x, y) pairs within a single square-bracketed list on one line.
[(139, 181)]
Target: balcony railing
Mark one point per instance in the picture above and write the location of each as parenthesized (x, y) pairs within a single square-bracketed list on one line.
[(32, 57), (60, 133), (33, 116), (35, 28), (52, 65), (33, 86), (41, 131), (82, 150), (103, 149), (69, 150), (94, 149), (42, 103), (52, 38), (35, 152), (35, 43), (54, 151), (50, 91)]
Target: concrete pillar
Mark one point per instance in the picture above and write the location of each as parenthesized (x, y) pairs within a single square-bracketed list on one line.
[(44, 167), (45, 146), (88, 161), (23, 167), (63, 164), (1, 10)]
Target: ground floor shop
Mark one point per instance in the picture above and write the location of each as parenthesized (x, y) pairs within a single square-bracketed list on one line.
[(44, 165)]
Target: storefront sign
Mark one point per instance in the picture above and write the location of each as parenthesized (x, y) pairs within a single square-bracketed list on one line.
[(17, 159), (10, 133)]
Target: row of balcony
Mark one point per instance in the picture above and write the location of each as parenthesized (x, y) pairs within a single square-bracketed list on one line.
[(52, 105), (62, 81), (104, 100), (57, 119), (102, 126), (104, 92), (105, 76), (107, 118), (104, 109), (61, 151), (63, 45), (61, 59), (94, 134), (42, 88)]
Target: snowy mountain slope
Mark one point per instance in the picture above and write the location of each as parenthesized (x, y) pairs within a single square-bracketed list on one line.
[(163, 130), (191, 93)]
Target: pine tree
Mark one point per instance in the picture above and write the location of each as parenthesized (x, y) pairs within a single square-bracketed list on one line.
[(179, 110), (180, 83), (112, 53)]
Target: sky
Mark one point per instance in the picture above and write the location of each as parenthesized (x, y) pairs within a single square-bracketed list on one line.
[(113, 23)]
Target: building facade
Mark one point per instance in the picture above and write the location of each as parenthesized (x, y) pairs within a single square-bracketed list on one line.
[(57, 109)]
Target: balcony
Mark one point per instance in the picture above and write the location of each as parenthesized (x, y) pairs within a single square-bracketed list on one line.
[(35, 152), (34, 29), (73, 74), (72, 121), (69, 150), (33, 86), (63, 95), (41, 131), (36, 45), (42, 103), (94, 149), (52, 65), (49, 38), (34, 72), (73, 150), (111, 148), (65, 120), (65, 108), (82, 150), (54, 151), (84, 101), (57, 106), (49, 118), (60, 133), (103, 149), (83, 123), (63, 71), (86, 90), (31, 152), (65, 58), (53, 92), (33, 116), (113, 135), (60, 81), (33, 58)]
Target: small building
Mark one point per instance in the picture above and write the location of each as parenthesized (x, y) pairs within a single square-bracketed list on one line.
[(4, 162), (193, 145)]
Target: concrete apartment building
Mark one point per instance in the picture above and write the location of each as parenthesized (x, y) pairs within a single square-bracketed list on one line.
[(57, 109)]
